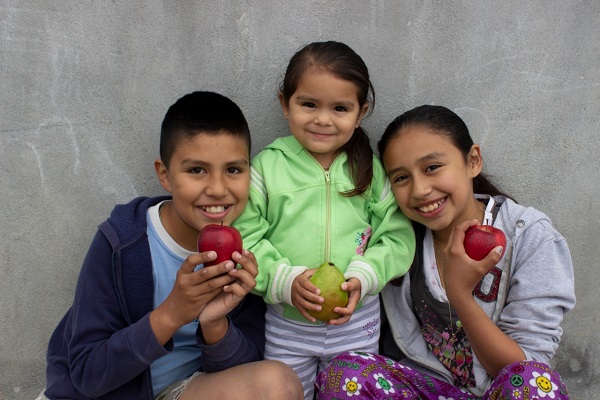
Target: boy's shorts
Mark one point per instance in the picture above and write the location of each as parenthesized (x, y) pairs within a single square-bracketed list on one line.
[(174, 390), (171, 392)]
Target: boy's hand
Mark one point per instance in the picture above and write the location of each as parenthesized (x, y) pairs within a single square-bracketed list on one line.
[(232, 294), (353, 287), (192, 291), (305, 295)]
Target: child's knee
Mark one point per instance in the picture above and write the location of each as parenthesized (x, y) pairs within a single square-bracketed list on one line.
[(276, 380), (529, 377)]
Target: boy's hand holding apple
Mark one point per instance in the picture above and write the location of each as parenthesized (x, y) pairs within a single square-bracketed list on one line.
[(220, 238), (226, 241)]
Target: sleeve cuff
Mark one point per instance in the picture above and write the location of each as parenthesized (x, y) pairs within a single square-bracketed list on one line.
[(224, 348), (281, 289), (365, 274)]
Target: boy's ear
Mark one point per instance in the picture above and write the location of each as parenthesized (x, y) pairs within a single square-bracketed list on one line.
[(474, 160), (163, 174), (283, 103)]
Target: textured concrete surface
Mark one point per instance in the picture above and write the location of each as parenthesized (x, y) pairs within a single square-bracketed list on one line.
[(84, 85)]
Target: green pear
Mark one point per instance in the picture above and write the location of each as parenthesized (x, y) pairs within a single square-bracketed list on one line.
[(329, 278)]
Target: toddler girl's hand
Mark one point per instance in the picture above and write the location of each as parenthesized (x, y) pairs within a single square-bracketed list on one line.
[(353, 287), (305, 295)]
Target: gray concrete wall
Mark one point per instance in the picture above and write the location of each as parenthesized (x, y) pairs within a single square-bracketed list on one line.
[(84, 86)]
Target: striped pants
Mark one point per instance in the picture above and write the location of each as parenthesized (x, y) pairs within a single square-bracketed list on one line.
[(308, 348)]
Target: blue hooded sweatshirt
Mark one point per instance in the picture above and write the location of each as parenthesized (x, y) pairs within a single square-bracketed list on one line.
[(104, 345)]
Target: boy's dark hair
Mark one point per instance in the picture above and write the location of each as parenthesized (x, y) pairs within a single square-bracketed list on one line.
[(342, 62), (445, 122), (197, 113)]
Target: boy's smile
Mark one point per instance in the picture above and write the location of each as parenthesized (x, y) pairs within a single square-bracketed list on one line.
[(209, 179)]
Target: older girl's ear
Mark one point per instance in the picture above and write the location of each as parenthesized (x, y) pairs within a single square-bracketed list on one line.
[(474, 161)]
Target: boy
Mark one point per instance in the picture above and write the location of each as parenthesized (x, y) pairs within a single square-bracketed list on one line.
[(146, 322)]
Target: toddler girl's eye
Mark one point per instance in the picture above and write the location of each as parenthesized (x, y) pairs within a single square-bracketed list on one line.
[(340, 109), (309, 104)]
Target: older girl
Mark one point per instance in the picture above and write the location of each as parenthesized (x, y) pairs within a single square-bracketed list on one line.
[(460, 328)]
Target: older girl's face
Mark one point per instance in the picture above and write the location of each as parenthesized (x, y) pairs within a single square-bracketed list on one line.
[(431, 181)]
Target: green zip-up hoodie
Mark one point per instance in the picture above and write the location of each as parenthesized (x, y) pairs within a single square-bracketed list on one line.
[(297, 219)]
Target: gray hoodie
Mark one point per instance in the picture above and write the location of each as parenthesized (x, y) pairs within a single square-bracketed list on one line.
[(535, 290)]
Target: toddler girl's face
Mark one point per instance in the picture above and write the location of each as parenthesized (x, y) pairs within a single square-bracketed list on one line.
[(323, 113)]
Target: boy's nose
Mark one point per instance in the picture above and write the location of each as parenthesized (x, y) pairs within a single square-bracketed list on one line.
[(217, 187)]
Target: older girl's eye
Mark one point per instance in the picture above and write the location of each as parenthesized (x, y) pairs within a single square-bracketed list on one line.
[(399, 178), (432, 168)]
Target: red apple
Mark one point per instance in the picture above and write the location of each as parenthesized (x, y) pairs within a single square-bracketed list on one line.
[(481, 239), (220, 238)]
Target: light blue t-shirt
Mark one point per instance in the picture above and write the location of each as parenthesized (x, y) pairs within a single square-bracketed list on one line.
[(167, 257)]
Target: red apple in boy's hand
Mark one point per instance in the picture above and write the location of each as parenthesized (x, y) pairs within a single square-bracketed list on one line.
[(222, 239), (481, 239)]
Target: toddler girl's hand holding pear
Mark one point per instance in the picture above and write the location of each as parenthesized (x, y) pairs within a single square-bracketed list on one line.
[(323, 294)]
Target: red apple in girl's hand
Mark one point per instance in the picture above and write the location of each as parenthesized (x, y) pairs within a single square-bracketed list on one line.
[(222, 239), (481, 239)]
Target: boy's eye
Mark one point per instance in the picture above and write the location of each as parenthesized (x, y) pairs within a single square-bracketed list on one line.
[(432, 168), (196, 170)]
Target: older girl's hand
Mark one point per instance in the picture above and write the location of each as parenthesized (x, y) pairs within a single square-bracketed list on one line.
[(460, 273)]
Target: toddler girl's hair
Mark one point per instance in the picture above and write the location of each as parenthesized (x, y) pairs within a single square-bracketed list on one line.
[(447, 123), (342, 62)]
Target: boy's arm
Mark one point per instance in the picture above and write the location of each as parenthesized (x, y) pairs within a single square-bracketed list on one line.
[(390, 249), (244, 341), (105, 352)]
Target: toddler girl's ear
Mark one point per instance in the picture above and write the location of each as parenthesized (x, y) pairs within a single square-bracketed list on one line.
[(362, 114), (284, 105), (474, 160)]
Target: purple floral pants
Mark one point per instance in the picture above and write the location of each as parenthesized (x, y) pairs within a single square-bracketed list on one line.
[(371, 376)]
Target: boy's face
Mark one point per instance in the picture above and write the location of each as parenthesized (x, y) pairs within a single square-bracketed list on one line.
[(209, 179)]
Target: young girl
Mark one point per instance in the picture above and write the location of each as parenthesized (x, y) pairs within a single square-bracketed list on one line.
[(321, 195), (469, 329)]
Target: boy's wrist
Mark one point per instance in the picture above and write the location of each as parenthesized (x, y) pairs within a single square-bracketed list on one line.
[(163, 325), (213, 331)]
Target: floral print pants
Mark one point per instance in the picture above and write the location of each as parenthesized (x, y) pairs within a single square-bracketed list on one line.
[(372, 376)]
